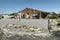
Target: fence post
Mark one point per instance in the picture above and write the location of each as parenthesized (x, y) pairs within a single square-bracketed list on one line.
[(49, 28)]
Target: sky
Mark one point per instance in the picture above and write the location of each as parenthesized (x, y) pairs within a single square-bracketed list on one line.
[(11, 6)]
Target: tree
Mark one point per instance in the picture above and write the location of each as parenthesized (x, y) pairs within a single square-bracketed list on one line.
[(58, 15), (54, 15)]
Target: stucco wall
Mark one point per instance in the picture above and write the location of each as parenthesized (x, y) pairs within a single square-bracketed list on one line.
[(43, 23)]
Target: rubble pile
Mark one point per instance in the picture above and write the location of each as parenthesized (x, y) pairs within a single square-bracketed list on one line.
[(14, 32), (24, 28), (53, 24)]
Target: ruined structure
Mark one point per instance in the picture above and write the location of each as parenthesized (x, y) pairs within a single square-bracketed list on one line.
[(32, 14)]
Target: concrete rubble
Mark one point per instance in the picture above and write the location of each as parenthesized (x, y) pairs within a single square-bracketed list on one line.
[(14, 32)]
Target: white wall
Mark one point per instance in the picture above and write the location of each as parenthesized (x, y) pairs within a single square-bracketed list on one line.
[(29, 22), (6, 16)]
